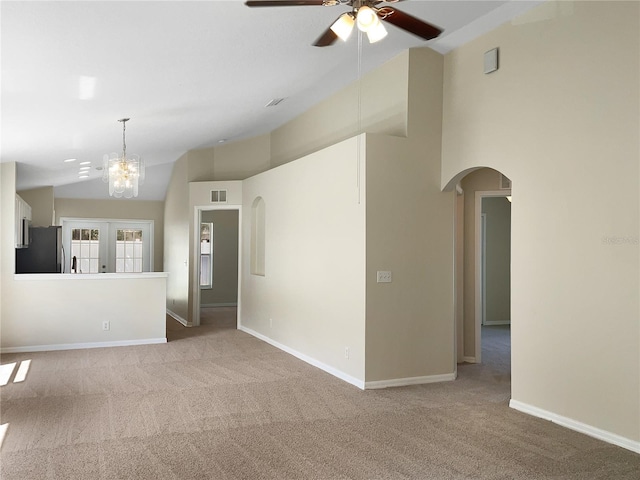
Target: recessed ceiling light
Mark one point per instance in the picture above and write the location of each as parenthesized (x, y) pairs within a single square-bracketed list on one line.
[(85, 163), (83, 176), (69, 160), (222, 140), (85, 169)]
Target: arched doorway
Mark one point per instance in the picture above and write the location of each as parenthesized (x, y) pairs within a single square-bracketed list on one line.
[(482, 272)]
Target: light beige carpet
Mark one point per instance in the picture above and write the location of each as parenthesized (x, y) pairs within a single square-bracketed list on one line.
[(216, 403)]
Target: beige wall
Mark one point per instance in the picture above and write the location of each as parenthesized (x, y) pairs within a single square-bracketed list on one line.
[(176, 240), (50, 324), (230, 161), (560, 118), (313, 289), (497, 214), (42, 205), (240, 160), (118, 209), (225, 258), (7, 234), (383, 109), (410, 322)]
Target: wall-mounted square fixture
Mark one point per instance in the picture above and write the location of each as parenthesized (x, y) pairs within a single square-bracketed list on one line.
[(491, 61)]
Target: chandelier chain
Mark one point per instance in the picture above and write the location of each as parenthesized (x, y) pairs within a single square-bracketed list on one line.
[(124, 144)]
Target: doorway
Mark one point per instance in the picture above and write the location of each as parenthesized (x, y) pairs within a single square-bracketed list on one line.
[(107, 246), (493, 269), (218, 247), (472, 190)]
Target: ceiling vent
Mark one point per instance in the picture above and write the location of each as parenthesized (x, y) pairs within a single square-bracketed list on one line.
[(274, 102), (218, 196)]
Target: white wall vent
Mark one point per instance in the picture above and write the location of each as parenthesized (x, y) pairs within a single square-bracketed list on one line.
[(505, 183), (218, 196), (491, 61), (274, 101)]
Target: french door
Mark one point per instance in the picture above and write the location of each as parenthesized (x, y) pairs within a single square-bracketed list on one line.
[(113, 246)]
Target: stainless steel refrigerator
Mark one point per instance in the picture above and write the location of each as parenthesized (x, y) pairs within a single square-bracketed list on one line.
[(44, 253)]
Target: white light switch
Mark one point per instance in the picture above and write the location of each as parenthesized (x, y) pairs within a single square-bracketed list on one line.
[(384, 276)]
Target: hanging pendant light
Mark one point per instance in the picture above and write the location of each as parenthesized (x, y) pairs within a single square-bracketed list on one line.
[(344, 26), (123, 173)]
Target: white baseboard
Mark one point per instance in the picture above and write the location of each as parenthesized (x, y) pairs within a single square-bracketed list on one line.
[(177, 317), (571, 424), (402, 382), (213, 305), (79, 346), (489, 323), (305, 358), (469, 359)]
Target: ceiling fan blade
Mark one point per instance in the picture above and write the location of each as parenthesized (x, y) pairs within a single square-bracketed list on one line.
[(282, 3), (409, 23), (326, 39)]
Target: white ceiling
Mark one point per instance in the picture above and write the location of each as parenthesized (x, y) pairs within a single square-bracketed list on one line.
[(187, 73)]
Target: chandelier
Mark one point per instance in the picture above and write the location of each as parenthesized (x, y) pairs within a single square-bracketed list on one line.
[(123, 173)]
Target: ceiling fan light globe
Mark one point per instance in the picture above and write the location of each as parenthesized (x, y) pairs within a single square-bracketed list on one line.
[(366, 18), (377, 33), (343, 26)]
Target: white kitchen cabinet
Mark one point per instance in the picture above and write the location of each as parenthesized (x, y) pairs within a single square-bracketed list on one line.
[(23, 212)]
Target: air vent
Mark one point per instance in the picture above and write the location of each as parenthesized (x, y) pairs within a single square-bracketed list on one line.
[(218, 196), (274, 102), (505, 183)]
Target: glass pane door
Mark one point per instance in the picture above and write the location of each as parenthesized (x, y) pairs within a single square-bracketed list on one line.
[(85, 247), (107, 246), (129, 250)]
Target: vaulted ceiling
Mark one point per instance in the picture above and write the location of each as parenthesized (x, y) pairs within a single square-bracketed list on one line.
[(189, 74)]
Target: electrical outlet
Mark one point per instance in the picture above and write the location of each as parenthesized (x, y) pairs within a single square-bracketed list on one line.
[(384, 276), (346, 353), (106, 325)]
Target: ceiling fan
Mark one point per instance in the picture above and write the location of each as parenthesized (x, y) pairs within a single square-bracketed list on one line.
[(366, 14)]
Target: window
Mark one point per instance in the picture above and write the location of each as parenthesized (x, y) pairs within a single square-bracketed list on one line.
[(103, 246), (128, 251), (206, 255)]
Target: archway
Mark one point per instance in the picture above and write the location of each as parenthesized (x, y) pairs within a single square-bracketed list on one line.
[(482, 262)]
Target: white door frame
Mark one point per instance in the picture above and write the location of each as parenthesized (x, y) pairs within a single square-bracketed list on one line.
[(195, 260), (483, 266), (479, 245)]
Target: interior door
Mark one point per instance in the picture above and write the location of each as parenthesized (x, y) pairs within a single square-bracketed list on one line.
[(131, 247), (86, 242)]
